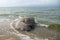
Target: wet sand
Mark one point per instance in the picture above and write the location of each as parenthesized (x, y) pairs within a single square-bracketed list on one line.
[(7, 33)]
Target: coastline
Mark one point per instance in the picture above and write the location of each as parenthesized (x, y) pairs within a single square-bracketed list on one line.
[(40, 32)]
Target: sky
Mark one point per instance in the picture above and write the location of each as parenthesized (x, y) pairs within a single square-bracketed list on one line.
[(13, 3)]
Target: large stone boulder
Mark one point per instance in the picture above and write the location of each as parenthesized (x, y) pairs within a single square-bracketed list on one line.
[(25, 24)]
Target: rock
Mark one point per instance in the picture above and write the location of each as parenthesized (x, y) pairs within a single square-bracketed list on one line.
[(25, 24)]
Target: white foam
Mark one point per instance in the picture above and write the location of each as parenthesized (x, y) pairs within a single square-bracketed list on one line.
[(26, 37), (2, 20), (44, 25)]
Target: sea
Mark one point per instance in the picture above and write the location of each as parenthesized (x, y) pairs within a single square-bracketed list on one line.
[(42, 16)]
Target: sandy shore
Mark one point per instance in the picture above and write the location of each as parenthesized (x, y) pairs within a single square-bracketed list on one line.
[(7, 33)]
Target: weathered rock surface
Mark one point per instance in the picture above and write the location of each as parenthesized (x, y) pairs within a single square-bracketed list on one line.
[(24, 24)]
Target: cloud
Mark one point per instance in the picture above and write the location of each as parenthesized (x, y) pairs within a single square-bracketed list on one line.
[(27, 2)]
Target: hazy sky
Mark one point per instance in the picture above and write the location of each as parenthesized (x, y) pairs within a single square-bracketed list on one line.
[(9, 3)]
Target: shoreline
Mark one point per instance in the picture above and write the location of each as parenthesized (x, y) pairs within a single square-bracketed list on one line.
[(41, 32)]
